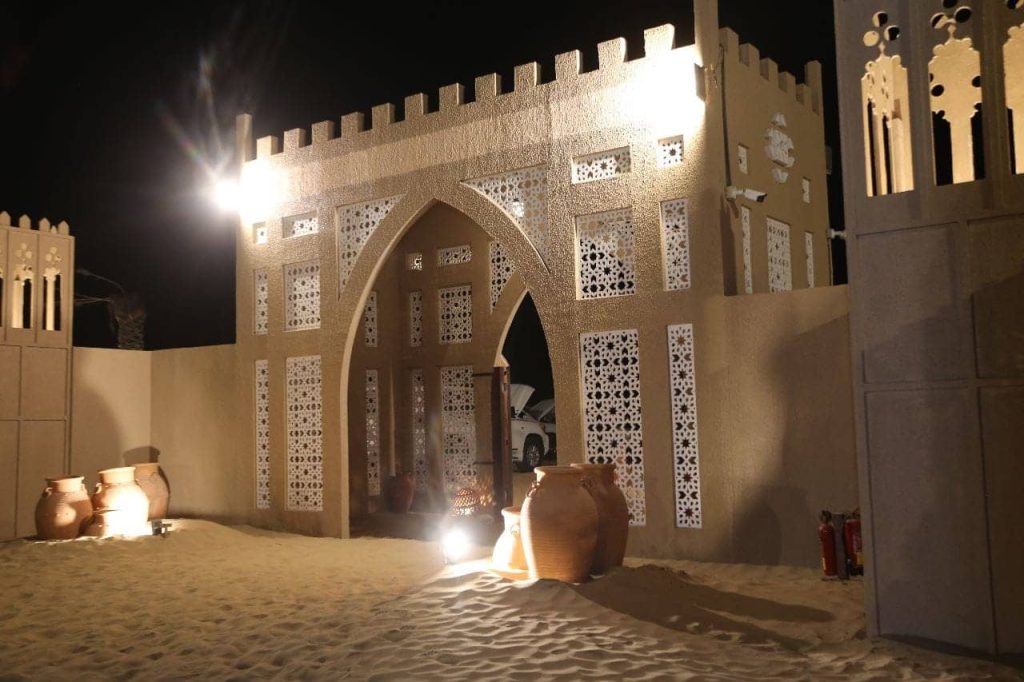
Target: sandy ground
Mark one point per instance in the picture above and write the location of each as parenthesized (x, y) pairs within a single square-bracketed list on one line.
[(216, 602)]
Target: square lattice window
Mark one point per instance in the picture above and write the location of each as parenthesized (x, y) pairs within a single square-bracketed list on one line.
[(605, 258), (610, 364), (455, 314), (302, 296), (685, 456), (414, 261), (670, 151), (299, 226), (418, 392), (261, 302), (780, 269), (455, 255), (415, 318), (262, 418), (372, 432), (303, 399), (260, 233), (458, 426), (675, 244), (601, 166)]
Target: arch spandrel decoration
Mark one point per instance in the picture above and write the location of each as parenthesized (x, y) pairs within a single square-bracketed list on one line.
[(523, 195), (356, 223), (885, 106)]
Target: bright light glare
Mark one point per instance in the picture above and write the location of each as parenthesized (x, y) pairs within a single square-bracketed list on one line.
[(455, 544), (226, 195)]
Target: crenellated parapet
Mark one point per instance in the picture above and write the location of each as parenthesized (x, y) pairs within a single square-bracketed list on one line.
[(808, 93), (451, 100), (44, 225)]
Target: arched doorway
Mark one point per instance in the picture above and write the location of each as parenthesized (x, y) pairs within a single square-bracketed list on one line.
[(436, 313)]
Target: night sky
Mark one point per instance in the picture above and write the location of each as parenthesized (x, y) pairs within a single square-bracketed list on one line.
[(114, 114)]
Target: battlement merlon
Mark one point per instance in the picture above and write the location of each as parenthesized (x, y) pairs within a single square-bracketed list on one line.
[(25, 223), (808, 93), (658, 41)]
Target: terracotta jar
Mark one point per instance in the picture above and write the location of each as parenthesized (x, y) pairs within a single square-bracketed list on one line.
[(508, 550), (124, 505), (151, 479), (64, 509), (559, 525), (612, 515), (401, 489)]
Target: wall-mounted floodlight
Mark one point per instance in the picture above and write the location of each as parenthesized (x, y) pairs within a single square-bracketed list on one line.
[(226, 195)]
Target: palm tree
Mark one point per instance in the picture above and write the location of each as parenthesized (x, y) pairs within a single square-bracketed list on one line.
[(126, 311)]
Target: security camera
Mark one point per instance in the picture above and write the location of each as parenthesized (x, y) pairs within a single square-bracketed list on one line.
[(733, 192)]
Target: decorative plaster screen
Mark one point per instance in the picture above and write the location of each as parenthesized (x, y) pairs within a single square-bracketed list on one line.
[(415, 318), (601, 166), (458, 426), (809, 255), (414, 261), (805, 188), (685, 456), (261, 302), (885, 106), (262, 434), (743, 158), (370, 320), (455, 255), (748, 275), (670, 151), (372, 432), (523, 195), (305, 434), (301, 226), (610, 363), (260, 233), (501, 270), (419, 429), (605, 258), (455, 310), (780, 271), (302, 296), (356, 222), (675, 244)]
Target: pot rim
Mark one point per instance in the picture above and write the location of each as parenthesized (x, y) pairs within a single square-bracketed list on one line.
[(559, 470), (115, 470), (69, 477)]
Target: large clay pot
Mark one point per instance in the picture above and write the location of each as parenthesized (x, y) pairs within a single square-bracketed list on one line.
[(401, 489), (124, 505), (151, 479), (559, 525), (508, 552), (612, 515), (64, 509)]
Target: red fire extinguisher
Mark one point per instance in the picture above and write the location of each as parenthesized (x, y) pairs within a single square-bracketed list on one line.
[(854, 544), (827, 535)]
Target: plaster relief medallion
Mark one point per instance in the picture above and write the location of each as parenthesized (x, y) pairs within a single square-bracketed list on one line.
[(779, 148)]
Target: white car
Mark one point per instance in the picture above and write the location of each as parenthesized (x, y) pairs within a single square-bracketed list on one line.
[(529, 438)]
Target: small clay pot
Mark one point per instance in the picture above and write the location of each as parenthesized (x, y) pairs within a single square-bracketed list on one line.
[(400, 490), (151, 479), (64, 509), (125, 505), (612, 515), (508, 552), (559, 525)]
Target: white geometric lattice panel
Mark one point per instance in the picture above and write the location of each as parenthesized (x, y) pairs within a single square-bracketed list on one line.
[(418, 391), (523, 195), (780, 269), (458, 426), (605, 258), (302, 296), (414, 261), (685, 457), (415, 318), (675, 240), (261, 302), (372, 432), (455, 311), (301, 225), (260, 233), (262, 435), (305, 434), (370, 320), (455, 255), (809, 256), (748, 274), (601, 166), (670, 151), (356, 222), (501, 270), (610, 363)]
